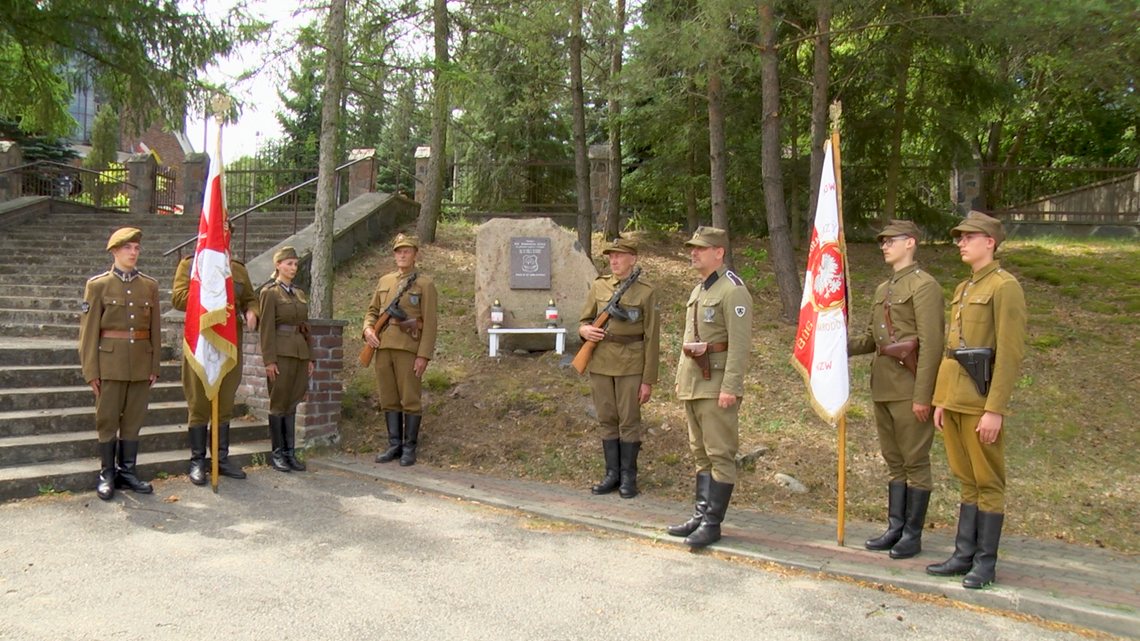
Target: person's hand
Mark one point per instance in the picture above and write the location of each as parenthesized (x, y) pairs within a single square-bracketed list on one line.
[(989, 427), (727, 400), (271, 371), (921, 412), (250, 319), (419, 366), (371, 338), (153, 378), (312, 366), (95, 385), (938, 411), (643, 393), (591, 333)]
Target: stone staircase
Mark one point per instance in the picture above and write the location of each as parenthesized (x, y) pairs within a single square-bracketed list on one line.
[(47, 412)]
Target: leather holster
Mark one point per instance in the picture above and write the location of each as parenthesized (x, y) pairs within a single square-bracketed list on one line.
[(411, 327), (699, 352), (905, 352)]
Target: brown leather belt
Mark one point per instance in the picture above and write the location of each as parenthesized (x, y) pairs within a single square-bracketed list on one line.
[(288, 329), (625, 340), (125, 334), (717, 347)]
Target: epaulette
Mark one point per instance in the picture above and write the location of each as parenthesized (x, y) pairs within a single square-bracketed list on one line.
[(234, 260), (148, 277), (106, 273), (736, 280), (272, 283)]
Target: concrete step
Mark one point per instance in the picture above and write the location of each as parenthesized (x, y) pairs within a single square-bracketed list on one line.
[(43, 316), (27, 352), (79, 419), (50, 398), (80, 475), (22, 287), (39, 330), (49, 448), (14, 377), (68, 303)]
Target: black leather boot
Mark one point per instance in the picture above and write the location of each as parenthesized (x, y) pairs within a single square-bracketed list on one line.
[(126, 477), (611, 450), (411, 439), (290, 441), (709, 530), (628, 487), (965, 545), (277, 438), (896, 516), (225, 467), (911, 542), (198, 472), (105, 484), (985, 561), (395, 421), (700, 506)]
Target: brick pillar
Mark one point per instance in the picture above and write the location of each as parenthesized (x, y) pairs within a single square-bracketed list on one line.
[(142, 176), (599, 182), (423, 155), (362, 175), (966, 189), (195, 170), (319, 414), (11, 183)]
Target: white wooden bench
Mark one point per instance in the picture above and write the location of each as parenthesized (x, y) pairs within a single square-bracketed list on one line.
[(493, 334)]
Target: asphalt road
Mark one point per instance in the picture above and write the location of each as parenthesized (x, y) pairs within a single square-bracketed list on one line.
[(326, 556)]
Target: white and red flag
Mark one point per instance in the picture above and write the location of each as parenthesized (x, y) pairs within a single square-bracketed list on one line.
[(820, 352), (210, 342)]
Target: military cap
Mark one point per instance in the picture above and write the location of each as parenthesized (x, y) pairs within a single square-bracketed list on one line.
[(622, 245), (402, 240), (708, 237), (122, 236), (900, 228), (977, 221), (284, 253)]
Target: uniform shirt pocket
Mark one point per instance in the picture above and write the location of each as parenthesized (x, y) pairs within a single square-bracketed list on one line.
[(710, 309)]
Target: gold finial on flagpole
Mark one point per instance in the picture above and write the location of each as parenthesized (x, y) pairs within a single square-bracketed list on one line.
[(835, 111), (221, 106)]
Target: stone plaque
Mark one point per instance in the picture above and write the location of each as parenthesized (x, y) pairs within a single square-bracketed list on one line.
[(530, 262)]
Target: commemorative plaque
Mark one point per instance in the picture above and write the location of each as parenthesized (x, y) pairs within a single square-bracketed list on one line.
[(530, 262)]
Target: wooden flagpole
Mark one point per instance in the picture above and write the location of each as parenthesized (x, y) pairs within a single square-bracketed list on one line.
[(214, 443), (836, 111)]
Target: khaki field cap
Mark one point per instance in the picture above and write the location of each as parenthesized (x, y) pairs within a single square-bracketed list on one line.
[(900, 228), (122, 236), (284, 253), (708, 237), (405, 241), (977, 221), (622, 245)]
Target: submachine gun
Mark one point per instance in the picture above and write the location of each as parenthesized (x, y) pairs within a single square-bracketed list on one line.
[(613, 310), (392, 311)]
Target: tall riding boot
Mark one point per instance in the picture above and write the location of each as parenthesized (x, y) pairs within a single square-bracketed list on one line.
[(411, 439), (225, 468), (395, 422), (105, 484), (985, 561), (126, 477), (911, 542), (896, 516), (611, 449), (700, 506), (290, 440), (628, 487), (198, 473), (709, 530), (277, 438), (965, 544)]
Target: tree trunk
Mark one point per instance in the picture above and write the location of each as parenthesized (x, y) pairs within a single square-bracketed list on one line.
[(820, 87), (581, 153), (894, 163), (692, 220), (613, 205), (780, 242), (437, 162), (718, 169), (321, 294)]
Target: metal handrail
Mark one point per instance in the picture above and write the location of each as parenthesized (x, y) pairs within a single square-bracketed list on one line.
[(295, 188)]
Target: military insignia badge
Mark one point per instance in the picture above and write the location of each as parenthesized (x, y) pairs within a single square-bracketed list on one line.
[(634, 314), (85, 307), (709, 313), (414, 299), (740, 311)]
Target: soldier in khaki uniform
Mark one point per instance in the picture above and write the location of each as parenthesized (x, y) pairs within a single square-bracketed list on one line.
[(987, 311), (199, 406), (403, 349), (287, 355), (623, 369), (120, 346), (907, 307), (710, 381)]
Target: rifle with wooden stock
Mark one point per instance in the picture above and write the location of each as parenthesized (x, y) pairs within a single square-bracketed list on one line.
[(391, 311), (614, 310)]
